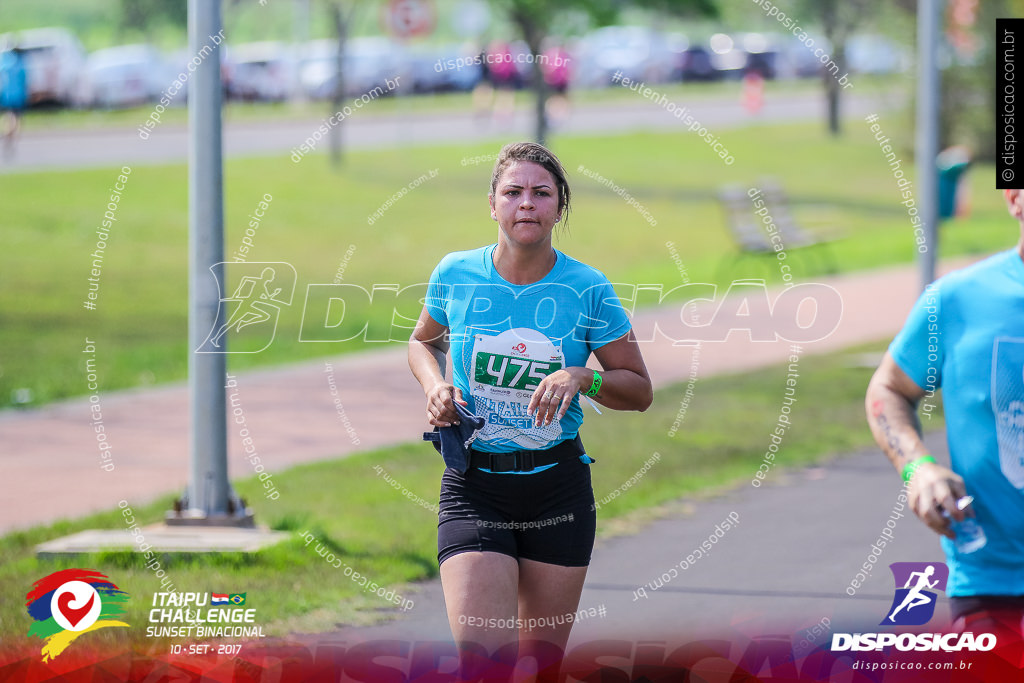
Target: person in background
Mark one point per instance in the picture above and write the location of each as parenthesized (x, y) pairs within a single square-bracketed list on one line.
[(504, 76), (556, 70), (13, 95)]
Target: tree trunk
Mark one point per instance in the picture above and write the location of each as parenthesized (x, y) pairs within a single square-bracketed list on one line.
[(340, 22), (540, 91), (830, 27), (832, 97), (533, 36)]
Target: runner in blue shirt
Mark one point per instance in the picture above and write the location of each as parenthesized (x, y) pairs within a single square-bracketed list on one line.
[(521, 319), (966, 335)]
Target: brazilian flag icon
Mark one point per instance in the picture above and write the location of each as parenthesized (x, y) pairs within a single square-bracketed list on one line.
[(237, 598)]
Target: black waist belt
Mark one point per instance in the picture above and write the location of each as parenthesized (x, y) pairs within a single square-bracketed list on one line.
[(524, 461)]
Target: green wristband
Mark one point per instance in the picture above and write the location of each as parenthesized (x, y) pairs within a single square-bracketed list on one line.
[(911, 467), (596, 386)]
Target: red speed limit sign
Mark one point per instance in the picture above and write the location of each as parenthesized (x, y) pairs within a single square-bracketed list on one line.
[(409, 18)]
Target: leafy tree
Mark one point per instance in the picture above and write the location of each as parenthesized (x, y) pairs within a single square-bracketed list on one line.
[(968, 96), (839, 19), (141, 15)]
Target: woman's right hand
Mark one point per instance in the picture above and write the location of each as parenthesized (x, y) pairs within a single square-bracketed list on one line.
[(440, 404)]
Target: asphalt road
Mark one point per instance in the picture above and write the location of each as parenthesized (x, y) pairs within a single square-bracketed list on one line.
[(111, 147)]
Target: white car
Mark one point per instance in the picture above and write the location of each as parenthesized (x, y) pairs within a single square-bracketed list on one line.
[(875, 54), (264, 71), (123, 76), (369, 63), (635, 52)]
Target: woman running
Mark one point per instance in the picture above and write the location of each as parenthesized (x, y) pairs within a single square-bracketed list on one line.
[(520, 320)]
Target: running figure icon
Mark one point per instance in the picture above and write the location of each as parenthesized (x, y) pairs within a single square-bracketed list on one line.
[(915, 597), (264, 290), (251, 308)]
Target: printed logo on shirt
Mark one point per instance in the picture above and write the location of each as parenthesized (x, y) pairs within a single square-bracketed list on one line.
[(1008, 406)]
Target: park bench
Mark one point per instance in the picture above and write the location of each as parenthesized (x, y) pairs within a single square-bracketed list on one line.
[(749, 232)]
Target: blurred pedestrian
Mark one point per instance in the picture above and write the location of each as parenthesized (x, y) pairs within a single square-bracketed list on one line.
[(13, 94), (554, 65), (483, 91), (504, 77), (965, 334), (753, 91)]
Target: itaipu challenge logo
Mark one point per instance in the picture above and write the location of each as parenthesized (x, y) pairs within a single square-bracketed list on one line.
[(69, 603)]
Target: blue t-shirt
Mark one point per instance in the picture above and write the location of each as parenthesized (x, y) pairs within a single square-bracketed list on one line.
[(966, 335), (506, 338), (13, 80)]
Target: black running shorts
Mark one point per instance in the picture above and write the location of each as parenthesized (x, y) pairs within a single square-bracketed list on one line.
[(546, 516)]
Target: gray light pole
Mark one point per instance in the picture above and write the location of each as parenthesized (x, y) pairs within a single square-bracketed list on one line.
[(927, 142), (208, 499)]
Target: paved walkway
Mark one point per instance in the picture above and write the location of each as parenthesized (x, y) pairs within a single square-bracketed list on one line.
[(52, 466), (784, 566)]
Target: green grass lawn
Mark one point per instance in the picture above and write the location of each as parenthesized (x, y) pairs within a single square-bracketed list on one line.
[(316, 216), (372, 527)]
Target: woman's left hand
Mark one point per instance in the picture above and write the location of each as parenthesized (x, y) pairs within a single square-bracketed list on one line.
[(553, 395)]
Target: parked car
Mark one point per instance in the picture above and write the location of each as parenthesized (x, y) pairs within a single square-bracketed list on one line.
[(466, 78), (797, 59), (265, 72), (368, 63), (443, 68), (727, 57), (695, 64), (763, 55), (734, 56), (122, 76), (635, 52), (54, 61), (177, 67), (874, 54)]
